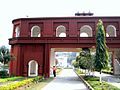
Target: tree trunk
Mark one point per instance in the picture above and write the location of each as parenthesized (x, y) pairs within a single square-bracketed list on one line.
[(100, 76)]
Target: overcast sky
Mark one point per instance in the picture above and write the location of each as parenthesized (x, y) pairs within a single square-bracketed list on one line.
[(12, 9)]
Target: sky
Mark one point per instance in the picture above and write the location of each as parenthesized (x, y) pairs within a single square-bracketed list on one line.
[(13, 9)]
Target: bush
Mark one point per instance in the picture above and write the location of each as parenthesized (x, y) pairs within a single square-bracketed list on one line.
[(3, 73), (15, 85), (38, 79)]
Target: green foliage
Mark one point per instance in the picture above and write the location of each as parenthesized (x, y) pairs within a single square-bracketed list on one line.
[(94, 82), (85, 59), (4, 55), (3, 73), (58, 70), (38, 79), (102, 55), (75, 63), (10, 79), (78, 71), (15, 85)]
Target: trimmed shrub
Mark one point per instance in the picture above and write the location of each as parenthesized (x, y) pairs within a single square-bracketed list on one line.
[(18, 84), (3, 73)]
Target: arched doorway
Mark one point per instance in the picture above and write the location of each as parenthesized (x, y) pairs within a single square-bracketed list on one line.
[(32, 68)]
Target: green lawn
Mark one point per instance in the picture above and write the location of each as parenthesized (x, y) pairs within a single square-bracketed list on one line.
[(94, 82)]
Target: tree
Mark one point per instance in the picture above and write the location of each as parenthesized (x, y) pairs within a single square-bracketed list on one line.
[(5, 56), (75, 63), (102, 56), (84, 59)]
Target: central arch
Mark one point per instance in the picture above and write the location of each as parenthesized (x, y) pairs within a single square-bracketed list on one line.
[(86, 31), (61, 31)]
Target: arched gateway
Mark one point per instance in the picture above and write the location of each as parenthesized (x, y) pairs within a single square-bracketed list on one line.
[(34, 39)]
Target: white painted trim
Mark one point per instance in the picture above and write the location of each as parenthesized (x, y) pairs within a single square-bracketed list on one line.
[(29, 67)]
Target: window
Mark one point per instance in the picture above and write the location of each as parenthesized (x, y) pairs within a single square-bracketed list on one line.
[(36, 31), (110, 31), (86, 31), (61, 31), (17, 32)]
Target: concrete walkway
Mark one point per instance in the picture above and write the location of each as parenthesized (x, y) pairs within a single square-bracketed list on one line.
[(67, 80)]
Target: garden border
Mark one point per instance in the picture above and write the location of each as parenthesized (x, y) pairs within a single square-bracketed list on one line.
[(85, 82)]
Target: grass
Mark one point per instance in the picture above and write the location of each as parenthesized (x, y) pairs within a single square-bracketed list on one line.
[(107, 71), (79, 71), (94, 82), (10, 79), (58, 70)]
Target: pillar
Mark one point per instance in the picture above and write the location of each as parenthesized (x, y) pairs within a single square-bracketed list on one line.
[(46, 72)]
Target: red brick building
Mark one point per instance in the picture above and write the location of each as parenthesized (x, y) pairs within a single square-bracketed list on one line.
[(34, 38)]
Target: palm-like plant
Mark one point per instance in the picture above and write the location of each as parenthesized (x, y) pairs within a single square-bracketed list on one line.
[(5, 56)]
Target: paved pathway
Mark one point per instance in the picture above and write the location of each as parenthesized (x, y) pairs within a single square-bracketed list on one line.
[(67, 80)]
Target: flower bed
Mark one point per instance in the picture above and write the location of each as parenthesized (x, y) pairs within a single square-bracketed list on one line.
[(14, 85)]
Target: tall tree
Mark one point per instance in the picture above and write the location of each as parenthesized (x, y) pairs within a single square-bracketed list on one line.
[(102, 56)]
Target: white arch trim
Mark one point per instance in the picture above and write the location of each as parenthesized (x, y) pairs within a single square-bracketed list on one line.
[(61, 31), (35, 31), (86, 29), (30, 67), (111, 30), (17, 31)]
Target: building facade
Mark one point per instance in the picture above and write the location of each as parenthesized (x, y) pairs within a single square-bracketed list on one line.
[(33, 40)]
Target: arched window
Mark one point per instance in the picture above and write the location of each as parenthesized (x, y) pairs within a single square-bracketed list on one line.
[(61, 31), (32, 68), (17, 31), (86, 31), (110, 31), (36, 31)]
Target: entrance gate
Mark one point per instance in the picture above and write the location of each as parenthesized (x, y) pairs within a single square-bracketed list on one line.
[(33, 39)]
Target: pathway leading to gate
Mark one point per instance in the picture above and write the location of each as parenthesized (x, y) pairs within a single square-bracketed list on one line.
[(67, 80)]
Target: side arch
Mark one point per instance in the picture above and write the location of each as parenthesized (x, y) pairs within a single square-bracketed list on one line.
[(36, 31), (32, 68), (111, 31), (17, 31)]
